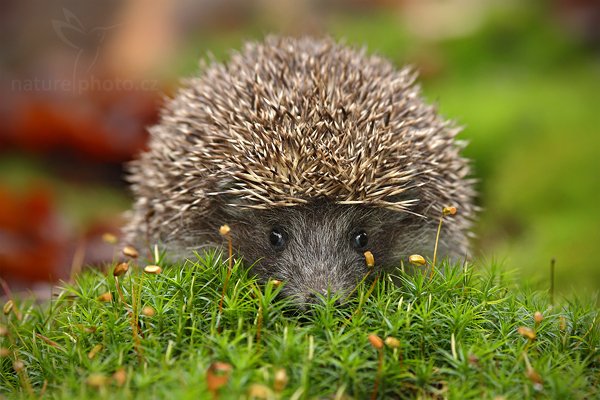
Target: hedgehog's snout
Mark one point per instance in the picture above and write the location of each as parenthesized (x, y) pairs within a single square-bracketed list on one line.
[(307, 299), (321, 284)]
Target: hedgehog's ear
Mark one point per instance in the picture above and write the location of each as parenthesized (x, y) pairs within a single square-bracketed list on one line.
[(232, 208), (229, 198), (233, 205), (407, 200)]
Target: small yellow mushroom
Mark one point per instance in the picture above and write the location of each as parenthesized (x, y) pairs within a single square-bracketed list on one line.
[(392, 342), (535, 377), (562, 323), (105, 297), (376, 341), (8, 306), (224, 230), (130, 251), (526, 332), (109, 238), (217, 376), (417, 260), (281, 380), (148, 311), (259, 391), (152, 269), (449, 211), (97, 380), (95, 350), (18, 365), (120, 377), (121, 269), (369, 259)]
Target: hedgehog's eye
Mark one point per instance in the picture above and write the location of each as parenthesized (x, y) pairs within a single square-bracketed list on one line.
[(277, 237), (360, 240)]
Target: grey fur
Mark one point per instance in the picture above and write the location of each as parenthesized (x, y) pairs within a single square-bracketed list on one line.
[(314, 137)]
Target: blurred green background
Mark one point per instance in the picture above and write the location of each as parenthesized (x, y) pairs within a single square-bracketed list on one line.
[(522, 77)]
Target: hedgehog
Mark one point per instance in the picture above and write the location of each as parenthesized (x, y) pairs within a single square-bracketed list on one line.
[(313, 152)]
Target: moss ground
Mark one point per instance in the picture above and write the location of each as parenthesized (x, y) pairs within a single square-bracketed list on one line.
[(470, 333)]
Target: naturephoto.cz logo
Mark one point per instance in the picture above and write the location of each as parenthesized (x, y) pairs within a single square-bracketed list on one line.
[(87, 45)]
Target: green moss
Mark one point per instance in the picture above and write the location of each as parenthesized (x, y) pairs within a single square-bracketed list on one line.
[(458, 338)]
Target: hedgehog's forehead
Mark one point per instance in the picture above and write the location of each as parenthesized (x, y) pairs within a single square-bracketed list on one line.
[(322, 212), (286, 164)]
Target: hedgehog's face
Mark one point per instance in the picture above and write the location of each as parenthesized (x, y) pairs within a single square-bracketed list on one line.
[(318, 248)]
